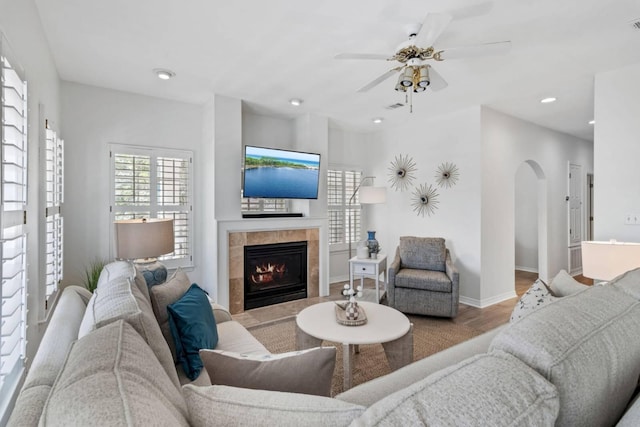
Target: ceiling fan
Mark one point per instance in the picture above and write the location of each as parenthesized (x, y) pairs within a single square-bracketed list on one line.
[(416, 74)]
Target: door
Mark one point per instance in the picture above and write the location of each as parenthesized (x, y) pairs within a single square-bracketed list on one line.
[(575, 218)]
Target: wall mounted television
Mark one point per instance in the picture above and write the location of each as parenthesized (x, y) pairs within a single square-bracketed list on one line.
[(280, 174)]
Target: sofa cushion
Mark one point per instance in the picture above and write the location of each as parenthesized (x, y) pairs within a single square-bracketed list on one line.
[(628, 283), (164, 294), (563, 284), (587, 345), (111, 377), (246, 407), (120, 298), (489, 389), (193, 327), (537, 295), (307, 371), (423, 253), (426, 280)]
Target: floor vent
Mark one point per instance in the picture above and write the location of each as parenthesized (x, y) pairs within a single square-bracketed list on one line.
[(394, 106)]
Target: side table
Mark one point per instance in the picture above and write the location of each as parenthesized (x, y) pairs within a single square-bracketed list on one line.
[(369, 267)]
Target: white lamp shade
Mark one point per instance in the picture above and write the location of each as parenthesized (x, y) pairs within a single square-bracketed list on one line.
[(143, 238), (373, 195), (607, 260)]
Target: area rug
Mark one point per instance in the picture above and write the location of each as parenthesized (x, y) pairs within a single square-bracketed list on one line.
[(430, 335)]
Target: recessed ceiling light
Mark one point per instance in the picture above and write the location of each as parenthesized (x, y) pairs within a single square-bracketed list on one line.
[(164, 74), (592, 122), (548, 100), (377, 120), (296, 102)]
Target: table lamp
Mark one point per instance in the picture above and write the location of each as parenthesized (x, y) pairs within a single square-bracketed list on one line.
[(603, 261), (368, 196), (141, 241)]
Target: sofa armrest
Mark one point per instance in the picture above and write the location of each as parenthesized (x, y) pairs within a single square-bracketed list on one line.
[(220, 313), (393, 269), (370, 392)]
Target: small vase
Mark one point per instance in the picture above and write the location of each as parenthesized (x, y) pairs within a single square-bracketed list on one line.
[(372, 243), (352, 311)]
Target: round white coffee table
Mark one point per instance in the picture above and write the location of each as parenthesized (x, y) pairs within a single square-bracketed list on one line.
[(384, 325)]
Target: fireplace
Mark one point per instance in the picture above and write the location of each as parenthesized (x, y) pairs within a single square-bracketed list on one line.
[(274, 273)]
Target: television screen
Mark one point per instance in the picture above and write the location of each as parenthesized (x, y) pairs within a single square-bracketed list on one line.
[(280, 174)]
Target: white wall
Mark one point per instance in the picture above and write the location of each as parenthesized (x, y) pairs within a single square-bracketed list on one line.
[(94, 118), (346, 148), (507, 142), (526, 219), (617, 150), (430, 142)]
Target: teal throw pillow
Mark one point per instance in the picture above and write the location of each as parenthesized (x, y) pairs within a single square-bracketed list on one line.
[(193, 328)]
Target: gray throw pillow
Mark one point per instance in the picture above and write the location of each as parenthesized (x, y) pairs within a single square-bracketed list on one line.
[(307, 371), (563, 284)]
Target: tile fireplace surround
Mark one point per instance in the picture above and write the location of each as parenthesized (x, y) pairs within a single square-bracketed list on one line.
[(239, 239)]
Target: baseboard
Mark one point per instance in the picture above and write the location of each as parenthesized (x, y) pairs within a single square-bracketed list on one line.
[(343, 278), (487, 301), (527, 269)]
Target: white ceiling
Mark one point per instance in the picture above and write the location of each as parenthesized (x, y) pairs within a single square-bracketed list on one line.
[(266, 52)]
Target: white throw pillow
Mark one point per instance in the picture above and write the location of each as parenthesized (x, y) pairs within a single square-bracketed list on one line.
[(537, 296)]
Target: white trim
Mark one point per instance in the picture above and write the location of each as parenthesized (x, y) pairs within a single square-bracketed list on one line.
[(484, 303), (527, 269)]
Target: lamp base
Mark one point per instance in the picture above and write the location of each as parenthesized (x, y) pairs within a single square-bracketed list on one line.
[(154, 272)]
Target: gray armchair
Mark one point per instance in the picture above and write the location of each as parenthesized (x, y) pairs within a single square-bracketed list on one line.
[(422, 278)]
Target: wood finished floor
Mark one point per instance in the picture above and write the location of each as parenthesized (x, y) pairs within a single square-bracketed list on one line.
[(482, 319)]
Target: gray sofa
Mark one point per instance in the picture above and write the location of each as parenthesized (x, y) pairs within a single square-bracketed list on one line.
[(572, 362)]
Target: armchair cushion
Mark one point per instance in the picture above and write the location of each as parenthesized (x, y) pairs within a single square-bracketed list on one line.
[(426, 280), (423, 253)]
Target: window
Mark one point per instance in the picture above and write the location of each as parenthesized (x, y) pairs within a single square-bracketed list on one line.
[(155, 183), (264, 205), (340, 187), (54, 224), (13, 203)]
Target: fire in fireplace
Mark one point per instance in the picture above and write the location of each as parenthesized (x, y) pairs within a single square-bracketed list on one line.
[(274, 273)]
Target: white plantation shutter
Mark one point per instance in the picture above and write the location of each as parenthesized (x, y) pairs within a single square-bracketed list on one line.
[(155, 183), (340, 187), (264, 205), (54, 223), (13, 239)]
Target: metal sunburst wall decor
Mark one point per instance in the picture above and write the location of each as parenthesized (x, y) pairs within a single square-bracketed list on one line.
[(402, 172), (447, 175), (425, 200)]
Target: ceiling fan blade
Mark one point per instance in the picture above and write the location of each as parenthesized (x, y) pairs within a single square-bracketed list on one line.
[(362, 56), (437, 82), (380, 79), (496, 48), (472, 11), (432, 26)]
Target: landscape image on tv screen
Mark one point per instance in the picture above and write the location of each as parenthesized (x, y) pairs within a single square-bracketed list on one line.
[(280, 174)]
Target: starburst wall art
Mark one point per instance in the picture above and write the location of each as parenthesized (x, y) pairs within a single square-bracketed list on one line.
[(425, 200), (447, 175), (402, 172)]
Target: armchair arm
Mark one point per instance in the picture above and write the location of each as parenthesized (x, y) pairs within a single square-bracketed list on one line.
[(394, 267), (451, 270)]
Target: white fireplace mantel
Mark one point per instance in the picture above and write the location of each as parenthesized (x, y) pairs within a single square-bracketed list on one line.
[(268, 224)]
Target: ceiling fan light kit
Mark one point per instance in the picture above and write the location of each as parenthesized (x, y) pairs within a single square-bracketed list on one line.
[(414, 72)]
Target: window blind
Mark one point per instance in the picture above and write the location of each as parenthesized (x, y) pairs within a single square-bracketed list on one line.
[(13, 175), (54, 194), (340, 187)]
